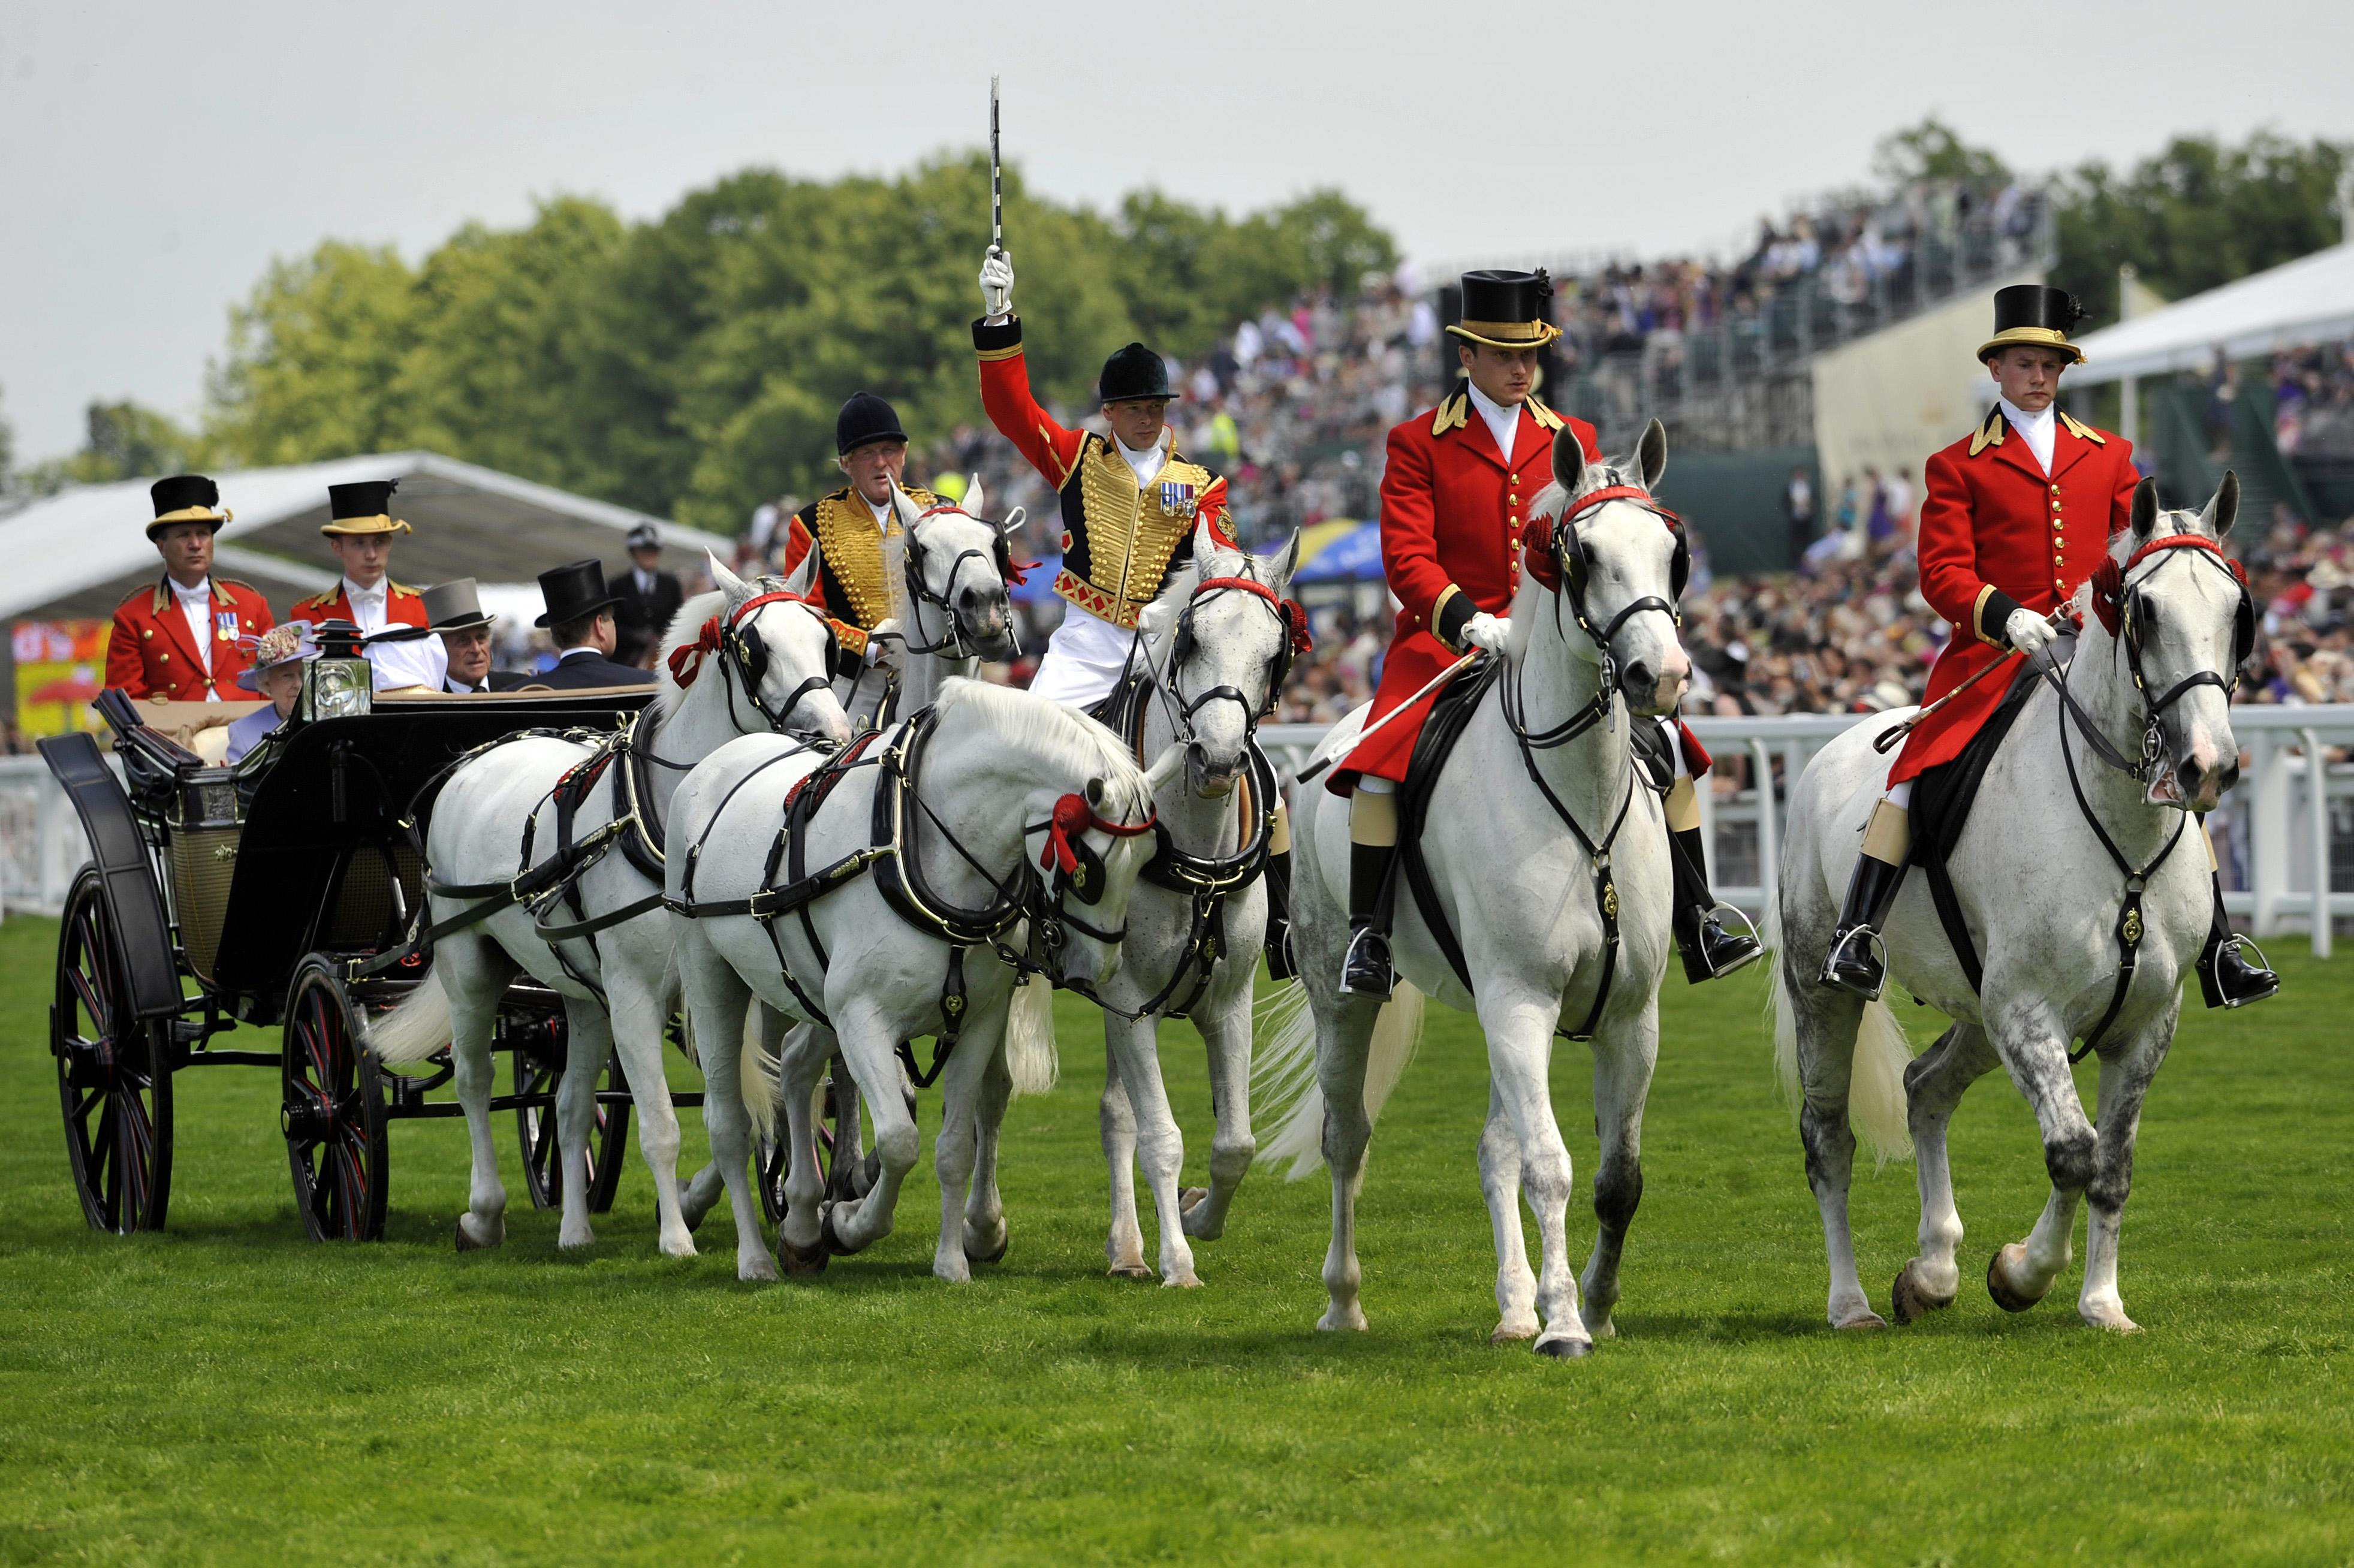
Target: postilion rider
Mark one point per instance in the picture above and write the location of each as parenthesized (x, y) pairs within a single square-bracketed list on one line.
[(189, 636), (1130, 502), (1454, 497), (847, 529), (2015, 515), (360, 529)]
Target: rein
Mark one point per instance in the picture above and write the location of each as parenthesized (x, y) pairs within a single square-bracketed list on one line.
[(919, 588), (744, 659)]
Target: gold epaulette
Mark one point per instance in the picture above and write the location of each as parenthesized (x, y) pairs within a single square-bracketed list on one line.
[(1988, 434), (1542, 415), (2082, 431), (135, 593), (236, 583), (402, 588), (1453, 414)]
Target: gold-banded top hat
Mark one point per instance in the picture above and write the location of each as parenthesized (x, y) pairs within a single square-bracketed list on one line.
[(364, 506), (185, 498), (2036, 315), (1507, 310)]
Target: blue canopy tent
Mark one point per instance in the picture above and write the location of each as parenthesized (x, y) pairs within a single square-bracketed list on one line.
[(1354, 556)]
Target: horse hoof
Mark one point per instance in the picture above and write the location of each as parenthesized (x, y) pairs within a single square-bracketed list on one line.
[(802, 1263), (1337, 1317), (1861, 1322), (2112, 1319), (1999, 1287), (467, 1242), (1189, 1196), (1908, 1302), (1510, 1333), (1129, 1271), (979, 1254), (1181, 1282), (758, 1270), (828, 1237), (1565, 1348)]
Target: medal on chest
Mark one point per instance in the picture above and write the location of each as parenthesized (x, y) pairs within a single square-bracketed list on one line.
[(1177, 499), (225, 625)]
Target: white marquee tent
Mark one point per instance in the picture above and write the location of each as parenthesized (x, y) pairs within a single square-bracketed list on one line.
[(2308, 301)]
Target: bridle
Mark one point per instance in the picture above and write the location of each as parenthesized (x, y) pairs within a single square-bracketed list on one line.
[(1296, 641), (2119, 605), (1558, 560), (744, 658), (952, 641)]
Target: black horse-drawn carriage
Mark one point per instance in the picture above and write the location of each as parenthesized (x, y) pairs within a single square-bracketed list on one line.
[(280, 893)]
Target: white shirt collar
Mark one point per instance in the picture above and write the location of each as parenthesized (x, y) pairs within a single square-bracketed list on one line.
[(354, 592), (1146, 463), (203, 590), (880, 510), (2038, 429), (585, 648), (1504, 423)]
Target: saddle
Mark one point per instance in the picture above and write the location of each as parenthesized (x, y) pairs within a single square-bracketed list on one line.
[(1942, 798), (1450, 715)]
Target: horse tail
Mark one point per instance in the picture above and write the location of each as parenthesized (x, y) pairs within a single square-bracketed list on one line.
[(1875, 1086), (1030, 1054), (417, 1025), (759, 1077), (1285, 1059)]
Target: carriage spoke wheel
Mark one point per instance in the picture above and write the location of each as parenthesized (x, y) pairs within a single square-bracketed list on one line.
[(115, 1084), (333, 1114), (538, 1073)]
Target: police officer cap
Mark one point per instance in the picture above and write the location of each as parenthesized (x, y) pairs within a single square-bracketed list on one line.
[(864, 418), (1135, 373), (644, 538)]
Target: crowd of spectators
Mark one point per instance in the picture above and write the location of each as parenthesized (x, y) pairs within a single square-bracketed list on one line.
[(2313, 401)]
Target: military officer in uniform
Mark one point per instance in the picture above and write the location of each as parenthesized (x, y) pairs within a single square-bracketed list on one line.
[(649, 597), (190, 635), (359, 529), (2017, 513), (579, 621), (847, 529), (1455, 494)]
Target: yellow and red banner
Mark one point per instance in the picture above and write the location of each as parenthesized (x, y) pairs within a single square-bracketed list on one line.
[(60, 666)]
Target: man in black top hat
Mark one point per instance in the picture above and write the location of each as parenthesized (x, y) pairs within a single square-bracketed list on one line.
[(453, 610), (187, 636), (579, 621), (647, 598)]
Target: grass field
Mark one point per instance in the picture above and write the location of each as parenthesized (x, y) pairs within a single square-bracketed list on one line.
[(228, 1391)]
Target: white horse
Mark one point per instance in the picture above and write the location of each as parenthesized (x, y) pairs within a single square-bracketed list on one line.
[(1542, 771), (1221, 638), (916, 866), (2036, 874), (736, 661)]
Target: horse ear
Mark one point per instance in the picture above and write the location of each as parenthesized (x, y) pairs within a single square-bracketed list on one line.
[(1651, 454), (2223, 506), (904, 506), (1213, 558), (972, 502), (1568, 460), (2145, 508), (803, 577), (1281, 565), (1165, 769), (726, 581)]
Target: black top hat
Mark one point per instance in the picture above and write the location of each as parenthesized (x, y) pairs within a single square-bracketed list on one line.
[(2036, 315), (865, 418), (574, 591), (185, 498), (1507, 310), (362, 506), (1135, 373), (454, 605)]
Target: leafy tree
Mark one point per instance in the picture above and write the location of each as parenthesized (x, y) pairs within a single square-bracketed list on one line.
[(1933, 150), (124, 442), (314, 359)]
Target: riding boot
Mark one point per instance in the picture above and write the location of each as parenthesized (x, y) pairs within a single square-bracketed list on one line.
[(1365, 970), (1709, 949), (1278, 916), (1855, 961), (2226, 978)]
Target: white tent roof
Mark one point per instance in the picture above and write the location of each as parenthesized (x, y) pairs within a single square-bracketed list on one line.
[(2308, 301), (69, 553)]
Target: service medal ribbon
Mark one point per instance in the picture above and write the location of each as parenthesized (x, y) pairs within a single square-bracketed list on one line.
[(1176, 499), (225, 625)]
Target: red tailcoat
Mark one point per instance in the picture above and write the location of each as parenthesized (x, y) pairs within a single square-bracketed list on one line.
[(1452, 513), (402, 606), (1998, 534), (149, 651)]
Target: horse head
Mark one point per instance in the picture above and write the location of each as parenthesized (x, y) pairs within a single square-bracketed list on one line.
[(956, 570), (778, 647), (1098, 841), (1235, 634), (2183, 616), (1618, 560)]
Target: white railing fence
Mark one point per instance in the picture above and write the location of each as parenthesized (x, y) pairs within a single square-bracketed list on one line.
[(2285, 835)]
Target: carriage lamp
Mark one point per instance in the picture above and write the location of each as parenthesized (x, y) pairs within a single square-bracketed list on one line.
[(338, 684)]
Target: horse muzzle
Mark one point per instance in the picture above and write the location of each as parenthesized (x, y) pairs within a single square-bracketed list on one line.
[(985, 625), (1211, 778)]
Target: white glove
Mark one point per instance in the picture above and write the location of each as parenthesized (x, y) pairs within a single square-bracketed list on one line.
[(997, 285), (2029, 632), (1488, 631), (882, 642)]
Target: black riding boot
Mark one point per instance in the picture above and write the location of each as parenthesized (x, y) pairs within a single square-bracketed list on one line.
[(2226, 978), (1709, 949), (1365, 970), (1278, 916), (1855, 963)]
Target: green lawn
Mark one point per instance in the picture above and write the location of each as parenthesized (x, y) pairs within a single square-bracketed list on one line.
[(229, 1392)]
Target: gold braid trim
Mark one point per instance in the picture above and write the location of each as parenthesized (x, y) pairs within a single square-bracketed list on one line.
[(1129, 538), (1988, 434), (2082, 431), (851, 547)]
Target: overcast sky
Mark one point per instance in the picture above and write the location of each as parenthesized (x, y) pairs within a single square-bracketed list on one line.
[(153, 158)]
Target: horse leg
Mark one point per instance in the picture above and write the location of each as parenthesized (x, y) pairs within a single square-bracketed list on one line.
[(1124, 1243), (1344, 1039), (1934, 1086), (1828, 1020), (1160, 1147), (853, 1225), (850, 1179), (704, 1189), (984, 1212), (804, 1053), (1623, 1060), (953, 1152), (588, 1046), (2020, 1274), (2124, 1079), (1226, 1026), (1519, 1047), (637, 1025), (716, 1001), (474, 975), (1500, 1182)]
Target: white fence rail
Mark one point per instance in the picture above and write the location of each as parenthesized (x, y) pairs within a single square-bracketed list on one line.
[(2285, 835)]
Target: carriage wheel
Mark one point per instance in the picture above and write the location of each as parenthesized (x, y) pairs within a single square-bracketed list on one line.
[(770, 1164), (113, 1081), (332, 1112), (609, 1135)]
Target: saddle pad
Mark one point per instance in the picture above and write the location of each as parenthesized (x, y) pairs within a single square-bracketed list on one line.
[(1450, 715), (1942, 798)]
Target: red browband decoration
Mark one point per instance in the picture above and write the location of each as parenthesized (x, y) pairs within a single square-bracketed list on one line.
[(1293, 613), (687, 659), (1073, 816), (2109, 578), (1016, 572), (1538, 538)]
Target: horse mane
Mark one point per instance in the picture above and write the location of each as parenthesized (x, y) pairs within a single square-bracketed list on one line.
[(1160, 618), (686, 629), (1062, 734)]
